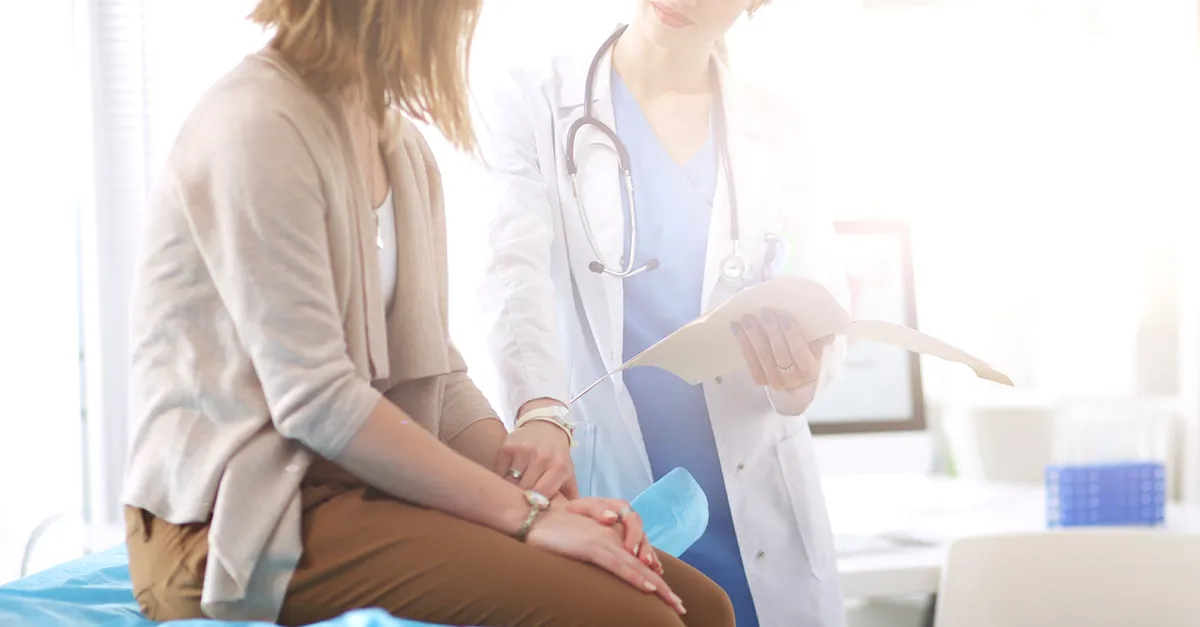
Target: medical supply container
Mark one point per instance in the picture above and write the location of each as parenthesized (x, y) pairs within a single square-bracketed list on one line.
[(1110, 465), (1122, 494)]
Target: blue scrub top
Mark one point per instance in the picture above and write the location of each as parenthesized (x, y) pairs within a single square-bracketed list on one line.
[(674, 207)]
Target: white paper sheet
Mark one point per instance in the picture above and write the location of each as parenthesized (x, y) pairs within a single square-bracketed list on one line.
[(706, 348)]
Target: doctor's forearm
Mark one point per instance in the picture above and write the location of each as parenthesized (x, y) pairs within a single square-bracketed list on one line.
[(539, 403), (792, 402)]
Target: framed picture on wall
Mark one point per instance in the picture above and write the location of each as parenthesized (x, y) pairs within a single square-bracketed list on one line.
[(880, 386)]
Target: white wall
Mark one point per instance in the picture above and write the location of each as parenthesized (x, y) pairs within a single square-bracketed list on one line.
[(1190, 366), (40, 445)]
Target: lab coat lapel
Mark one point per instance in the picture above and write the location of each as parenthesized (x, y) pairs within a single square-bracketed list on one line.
[(602, 296), (747, 138), (719, 246), (600, 191)]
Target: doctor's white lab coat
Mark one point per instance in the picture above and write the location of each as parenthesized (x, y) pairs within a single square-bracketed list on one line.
[(554, 326)]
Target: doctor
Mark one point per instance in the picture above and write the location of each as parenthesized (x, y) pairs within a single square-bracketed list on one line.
[(638, 188)]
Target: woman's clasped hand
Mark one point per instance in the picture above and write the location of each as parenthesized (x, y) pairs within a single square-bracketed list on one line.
[(606, 533)]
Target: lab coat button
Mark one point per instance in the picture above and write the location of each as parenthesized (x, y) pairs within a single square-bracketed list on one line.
[(720, 380), (741, 467), (762, 555)]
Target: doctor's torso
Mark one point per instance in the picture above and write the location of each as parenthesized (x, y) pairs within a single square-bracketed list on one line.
[(766, 459)]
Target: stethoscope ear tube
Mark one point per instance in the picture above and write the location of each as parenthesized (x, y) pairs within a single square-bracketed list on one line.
[(617, 144), (734, 269), (587, 117)]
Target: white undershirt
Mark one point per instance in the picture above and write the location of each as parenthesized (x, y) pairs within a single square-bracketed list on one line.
[(387, 254)]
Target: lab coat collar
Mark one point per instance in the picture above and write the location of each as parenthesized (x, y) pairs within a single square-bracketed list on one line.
[(573, 83), (749, 123), (745, 107), (601, 191)]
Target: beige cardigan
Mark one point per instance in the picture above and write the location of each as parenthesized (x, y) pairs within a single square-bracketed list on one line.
[(258, 329)]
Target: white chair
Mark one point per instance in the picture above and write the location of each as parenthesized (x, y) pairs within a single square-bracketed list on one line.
[(1069, 578)]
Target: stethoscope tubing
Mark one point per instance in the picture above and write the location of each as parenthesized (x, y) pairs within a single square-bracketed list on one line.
[(736, 265)]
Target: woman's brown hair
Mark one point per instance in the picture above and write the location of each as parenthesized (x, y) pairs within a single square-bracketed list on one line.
[(412, 54)]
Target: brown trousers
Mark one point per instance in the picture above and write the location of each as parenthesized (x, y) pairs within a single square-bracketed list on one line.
[(363, 548)]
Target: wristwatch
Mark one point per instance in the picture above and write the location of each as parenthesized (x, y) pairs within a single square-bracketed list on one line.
[(537, 505), (555, 414)]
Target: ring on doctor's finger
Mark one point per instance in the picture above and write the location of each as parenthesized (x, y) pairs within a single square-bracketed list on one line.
[(624, 511), (515, 474), (787, 368)]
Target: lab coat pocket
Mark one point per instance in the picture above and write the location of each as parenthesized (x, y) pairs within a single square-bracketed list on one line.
[(583, 454), (798, 463)]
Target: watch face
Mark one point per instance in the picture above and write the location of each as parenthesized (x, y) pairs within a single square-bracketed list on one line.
[(537, 500)]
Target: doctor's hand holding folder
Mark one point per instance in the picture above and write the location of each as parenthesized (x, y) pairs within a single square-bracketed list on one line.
[(779, 329), (704, 349), (783, 320)]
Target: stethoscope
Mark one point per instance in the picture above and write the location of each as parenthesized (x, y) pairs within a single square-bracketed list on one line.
[(735, 268)]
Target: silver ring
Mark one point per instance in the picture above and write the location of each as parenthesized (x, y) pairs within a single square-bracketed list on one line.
[(787, 368), (625, 511), (515, 474)]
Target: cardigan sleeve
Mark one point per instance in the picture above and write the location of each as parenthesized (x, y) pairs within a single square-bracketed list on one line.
[(463, 404), (254, 200)]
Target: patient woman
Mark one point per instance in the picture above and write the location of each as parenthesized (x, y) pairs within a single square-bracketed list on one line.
[(309, 441)]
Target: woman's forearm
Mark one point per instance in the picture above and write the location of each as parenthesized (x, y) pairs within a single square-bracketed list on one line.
[(393, 454), (481, 441)]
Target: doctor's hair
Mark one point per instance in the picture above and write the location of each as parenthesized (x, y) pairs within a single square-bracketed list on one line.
[(406, 54)]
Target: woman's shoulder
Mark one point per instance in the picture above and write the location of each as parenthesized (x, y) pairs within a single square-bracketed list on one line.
[(248, 107)]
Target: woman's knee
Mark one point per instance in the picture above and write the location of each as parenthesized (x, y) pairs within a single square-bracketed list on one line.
[(706, 603), (632, 608), (709, 607)]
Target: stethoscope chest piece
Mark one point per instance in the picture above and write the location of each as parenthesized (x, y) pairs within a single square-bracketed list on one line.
[(734, 271)]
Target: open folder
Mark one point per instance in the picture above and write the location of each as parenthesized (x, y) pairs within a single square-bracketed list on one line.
[(706, 348)]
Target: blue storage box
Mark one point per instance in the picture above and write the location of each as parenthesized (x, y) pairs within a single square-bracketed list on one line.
[(1120, 494)]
